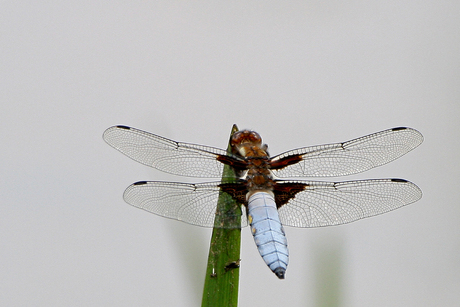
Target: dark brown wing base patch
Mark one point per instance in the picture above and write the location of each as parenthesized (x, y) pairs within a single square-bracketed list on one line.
[(284, 191)]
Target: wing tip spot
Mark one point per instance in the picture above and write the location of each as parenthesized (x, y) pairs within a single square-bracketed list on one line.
[(398, 128), (123, 127), (398, 180), (140, 183)]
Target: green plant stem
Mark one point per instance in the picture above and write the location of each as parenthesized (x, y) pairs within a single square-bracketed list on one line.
[(222, 273)]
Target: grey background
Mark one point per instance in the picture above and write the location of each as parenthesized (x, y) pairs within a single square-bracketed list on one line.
[(298, 72)]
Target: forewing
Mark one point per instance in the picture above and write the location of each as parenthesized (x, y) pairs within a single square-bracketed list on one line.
[(350, 157), (166, 155), (190, 203), (335, 203)]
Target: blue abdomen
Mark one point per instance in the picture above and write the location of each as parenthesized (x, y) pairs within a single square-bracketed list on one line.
[(268, 232)]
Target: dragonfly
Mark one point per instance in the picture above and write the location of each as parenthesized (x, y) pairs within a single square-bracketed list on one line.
[(266, 188)]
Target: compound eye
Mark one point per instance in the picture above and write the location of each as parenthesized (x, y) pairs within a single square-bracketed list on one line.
[(255, 137), (236, 138), (246, 136)]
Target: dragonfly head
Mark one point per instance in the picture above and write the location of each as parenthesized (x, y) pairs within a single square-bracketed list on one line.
[(243, 139)]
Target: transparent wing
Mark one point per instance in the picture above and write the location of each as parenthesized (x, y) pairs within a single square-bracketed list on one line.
[(335, 203), (191, 203), (350, 157), (166, 155)]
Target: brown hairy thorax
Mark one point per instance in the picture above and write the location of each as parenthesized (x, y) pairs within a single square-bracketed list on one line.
[(248, 144)]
